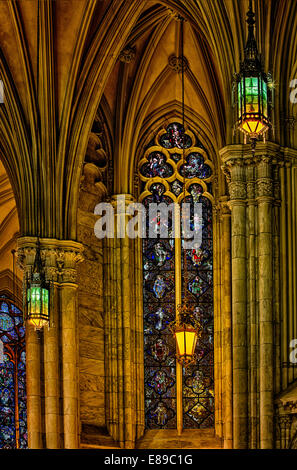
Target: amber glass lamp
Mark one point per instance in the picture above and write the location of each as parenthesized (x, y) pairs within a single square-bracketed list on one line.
[(187, 331), (37, 302), (252, 89)]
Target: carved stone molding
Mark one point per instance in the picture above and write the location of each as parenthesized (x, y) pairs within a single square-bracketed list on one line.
[(265, 188), (224, 207), (176, 16), (92, 187), (250, 189), (290, 406), (60, 257), (127, 55), (177, 64), (237, 190)]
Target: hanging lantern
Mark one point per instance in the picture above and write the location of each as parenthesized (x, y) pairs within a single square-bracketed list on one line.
[(37, 304), (252, 91), (187, 331)]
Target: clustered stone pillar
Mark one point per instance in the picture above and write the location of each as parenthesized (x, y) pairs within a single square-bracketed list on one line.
[(237, 188), (51, 361), (123, 332), (226, 300), (52, 354), (70, 349), (255, 252), (265, 258)]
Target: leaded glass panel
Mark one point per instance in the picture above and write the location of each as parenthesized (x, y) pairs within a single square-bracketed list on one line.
[(13, 415), (169, 169)]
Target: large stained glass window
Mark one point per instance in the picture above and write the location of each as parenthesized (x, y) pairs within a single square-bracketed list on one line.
[(170, 173), (13, 415)]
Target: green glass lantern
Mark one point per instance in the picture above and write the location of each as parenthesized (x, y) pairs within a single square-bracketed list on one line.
[(252, 91), (37, 302)]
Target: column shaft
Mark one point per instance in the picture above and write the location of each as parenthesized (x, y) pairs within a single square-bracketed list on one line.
[(51, 377), (33, 372), (265, 283), (227, 332), (68, 296)]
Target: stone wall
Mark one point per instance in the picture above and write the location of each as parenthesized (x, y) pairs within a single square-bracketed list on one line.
[(91, 325)]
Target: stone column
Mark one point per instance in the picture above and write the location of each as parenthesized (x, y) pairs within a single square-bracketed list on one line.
[(123, 322), (237, 189), (252, 313), (227, 324), (33, 385), (234, 168), (68, 257), (51, 360), (265, 283)]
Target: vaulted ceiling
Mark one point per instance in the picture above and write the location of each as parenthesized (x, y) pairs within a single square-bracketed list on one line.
[(9, 224), (60, 61)]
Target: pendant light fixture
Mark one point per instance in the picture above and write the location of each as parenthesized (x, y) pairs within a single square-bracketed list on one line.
[(252, 90), (37, 288), (37, 302), (186, 328)]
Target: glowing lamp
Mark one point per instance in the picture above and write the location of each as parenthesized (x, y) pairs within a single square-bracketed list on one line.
[(187, 331), (252, 105), (37, 305), (186, 340), (251, 88)]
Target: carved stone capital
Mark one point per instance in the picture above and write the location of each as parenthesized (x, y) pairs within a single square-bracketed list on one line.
[(290, 407), (250, 189), (60, 257), (265, 188), (237, 190)]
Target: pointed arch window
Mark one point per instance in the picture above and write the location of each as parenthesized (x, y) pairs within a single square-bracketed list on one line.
[(176, 397), (13, 415)]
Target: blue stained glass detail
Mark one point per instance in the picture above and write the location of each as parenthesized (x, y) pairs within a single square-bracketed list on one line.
[(12, 394), (6, 323), (4, 307), (159, 287), (174, 137), (195, 167), (161, 382), (156, 166)]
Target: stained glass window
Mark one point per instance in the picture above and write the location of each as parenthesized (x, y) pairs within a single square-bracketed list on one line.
[(13, 414), (164, 169), (198, 390)]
